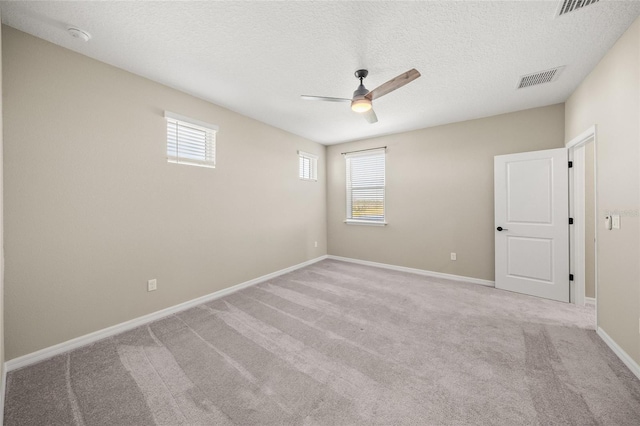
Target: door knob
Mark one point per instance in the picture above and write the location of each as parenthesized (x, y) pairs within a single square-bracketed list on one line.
[(500, 228)]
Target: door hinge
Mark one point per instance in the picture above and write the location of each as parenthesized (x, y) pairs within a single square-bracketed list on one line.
[(570, 277), (570, 221), (570, 164)]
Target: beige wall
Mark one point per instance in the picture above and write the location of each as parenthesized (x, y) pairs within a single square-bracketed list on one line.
[(589, 222), (610, 98), (93, 209), (439, 192)]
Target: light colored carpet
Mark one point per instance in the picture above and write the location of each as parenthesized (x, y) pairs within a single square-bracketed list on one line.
[(341, 344)]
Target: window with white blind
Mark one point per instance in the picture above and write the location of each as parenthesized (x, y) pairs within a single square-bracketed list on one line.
[(365, 187), (307, 166), (190, 141)]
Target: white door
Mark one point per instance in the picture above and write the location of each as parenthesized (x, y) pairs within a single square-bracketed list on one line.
[(532, 223)]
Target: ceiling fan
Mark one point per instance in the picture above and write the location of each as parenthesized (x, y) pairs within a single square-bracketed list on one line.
[(362, 98)]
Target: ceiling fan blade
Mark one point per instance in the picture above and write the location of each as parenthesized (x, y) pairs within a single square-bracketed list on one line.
[(370, 116), (324, 98), (393, 84)]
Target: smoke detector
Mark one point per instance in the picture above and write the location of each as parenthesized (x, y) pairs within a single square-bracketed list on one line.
[(78, 33)]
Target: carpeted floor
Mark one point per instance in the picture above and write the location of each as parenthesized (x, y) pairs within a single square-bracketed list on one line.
[(341, 344)]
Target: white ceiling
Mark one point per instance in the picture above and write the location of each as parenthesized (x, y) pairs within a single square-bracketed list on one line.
[(256, 58)]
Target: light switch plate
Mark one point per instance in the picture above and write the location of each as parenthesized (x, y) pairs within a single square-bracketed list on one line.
[(615, 221), (152, 285)]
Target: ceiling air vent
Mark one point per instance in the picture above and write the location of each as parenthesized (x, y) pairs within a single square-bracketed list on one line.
[(539, 77), (567, 6)]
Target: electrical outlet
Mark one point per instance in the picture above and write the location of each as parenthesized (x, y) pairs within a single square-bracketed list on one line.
[(454, 256), (152, 285), (315, 244)]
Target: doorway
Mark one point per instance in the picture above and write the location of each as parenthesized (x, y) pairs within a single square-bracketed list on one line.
[(525, 270), (583, 209)]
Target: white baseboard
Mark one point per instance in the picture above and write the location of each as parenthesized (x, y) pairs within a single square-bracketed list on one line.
[(624, 357), (87, 339), (590, 301), (3, 391), (415, 271)]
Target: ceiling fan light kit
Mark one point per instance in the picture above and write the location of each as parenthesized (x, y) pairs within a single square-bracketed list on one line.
[(361, 102), (361, 105)]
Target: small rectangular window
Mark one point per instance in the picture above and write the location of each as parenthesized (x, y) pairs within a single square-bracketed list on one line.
[(366, 187), (190, 141), (308, 166)]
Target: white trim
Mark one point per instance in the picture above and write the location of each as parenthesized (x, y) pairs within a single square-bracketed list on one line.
[(3, 392), (415, 271), (181, 160), (577, 245), (590, 301), (582, 138), (624, 357), (306, 154), (174, 116), (577, 145), (87, 339), (364, 222)]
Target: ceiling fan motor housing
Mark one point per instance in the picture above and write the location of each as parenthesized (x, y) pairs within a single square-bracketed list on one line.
[(360, 103), (360, 92), (361, 73)]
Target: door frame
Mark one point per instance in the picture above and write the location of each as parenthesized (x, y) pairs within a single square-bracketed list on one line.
[(577, 244)]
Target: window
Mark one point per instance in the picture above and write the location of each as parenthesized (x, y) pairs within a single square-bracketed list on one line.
[(365, 187), (190, 141), (308, 166)]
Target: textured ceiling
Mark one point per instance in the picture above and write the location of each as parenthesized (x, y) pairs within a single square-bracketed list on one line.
[(256, 58)]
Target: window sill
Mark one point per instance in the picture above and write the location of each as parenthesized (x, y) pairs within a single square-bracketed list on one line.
[(191, 163), (364, 222)]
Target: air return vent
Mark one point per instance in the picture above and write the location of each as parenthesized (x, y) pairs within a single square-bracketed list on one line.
[(567, 6), (539, 77)]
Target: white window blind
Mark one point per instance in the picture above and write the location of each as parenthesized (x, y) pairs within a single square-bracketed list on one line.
[(190, 141), (365, 186), (308, 166)]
